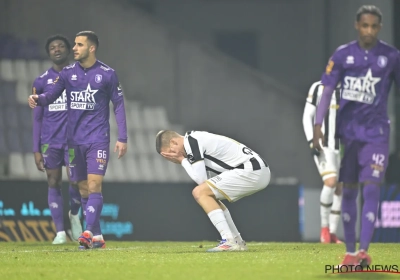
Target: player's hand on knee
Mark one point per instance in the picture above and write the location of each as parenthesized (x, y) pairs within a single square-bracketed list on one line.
[(39, 162), (32, 100), (121, 148), (318, 138)]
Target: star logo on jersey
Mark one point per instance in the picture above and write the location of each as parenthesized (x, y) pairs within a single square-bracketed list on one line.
[(60, 104), (360, 89), (83, 100)]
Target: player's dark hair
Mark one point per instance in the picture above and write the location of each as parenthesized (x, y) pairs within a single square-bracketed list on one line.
[(57, 37), (369, 9), (163, 138), (91, 36)]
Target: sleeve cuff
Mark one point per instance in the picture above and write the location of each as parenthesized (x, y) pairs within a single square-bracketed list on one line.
[(123, 140)]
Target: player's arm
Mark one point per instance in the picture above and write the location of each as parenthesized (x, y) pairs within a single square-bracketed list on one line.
[(196, 171), (397, 70), (194, 162), (49, 97), (330, 79), (309, 112), (37, 127), (117, 99)]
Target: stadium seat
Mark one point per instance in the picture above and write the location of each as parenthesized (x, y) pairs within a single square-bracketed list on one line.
[(7, 70), (135, 117), (25, 116), (161, 172), (45, 65), (155, 118), (13, 140), (32, 172), (118, 169), (132, 169), (21, 70), (3, 142), (140, 138), (23, 91), (8, 93), (27, 140), (146, 169), (34, 69), (16, 165), (11, 116)]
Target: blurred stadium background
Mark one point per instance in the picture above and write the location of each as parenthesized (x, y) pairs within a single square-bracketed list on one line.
[(240, 68)]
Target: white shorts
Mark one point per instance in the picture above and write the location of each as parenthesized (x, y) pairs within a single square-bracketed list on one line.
[(328, 163), (238, 183)]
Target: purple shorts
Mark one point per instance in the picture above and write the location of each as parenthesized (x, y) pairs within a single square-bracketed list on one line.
[(88, 159), (54, 155), (362, 162)]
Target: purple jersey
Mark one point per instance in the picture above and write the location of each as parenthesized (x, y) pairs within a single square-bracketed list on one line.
[(49, 122), (89, 92), (366, 77)]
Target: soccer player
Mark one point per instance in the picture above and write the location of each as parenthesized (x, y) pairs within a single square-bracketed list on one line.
[(366, 69), (239, 172), (89, 85), (327, 161), (50, 141)]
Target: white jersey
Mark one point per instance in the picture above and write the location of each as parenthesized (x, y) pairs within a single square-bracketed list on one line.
[(329, 125), (219, 153)]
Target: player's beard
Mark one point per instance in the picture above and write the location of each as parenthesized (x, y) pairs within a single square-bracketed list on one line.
[(83, 56)]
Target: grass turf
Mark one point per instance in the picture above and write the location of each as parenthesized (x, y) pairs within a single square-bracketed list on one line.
[(183, 260)]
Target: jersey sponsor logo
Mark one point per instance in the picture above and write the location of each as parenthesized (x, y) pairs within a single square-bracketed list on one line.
[(83, 100), (329, 67), (350, 59), (360, 89), (60, 104)]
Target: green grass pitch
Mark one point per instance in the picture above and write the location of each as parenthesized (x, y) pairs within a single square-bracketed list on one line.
[(183, 260)]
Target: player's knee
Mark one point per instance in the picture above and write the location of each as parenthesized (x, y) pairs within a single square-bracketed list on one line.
[(339, 189), (199, 192), (330, 182), (54, 182), (94, 187)]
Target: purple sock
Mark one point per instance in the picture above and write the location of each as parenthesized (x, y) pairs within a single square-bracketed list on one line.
[(349, 216), (74, 200), (55, 200), (93, 211), (84, 203), (371, 195)]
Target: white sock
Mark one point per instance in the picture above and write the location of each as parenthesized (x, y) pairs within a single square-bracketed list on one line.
[(232, 226), (218, 219), (334, 216), (61, 233), (326, 198), (98, 237)]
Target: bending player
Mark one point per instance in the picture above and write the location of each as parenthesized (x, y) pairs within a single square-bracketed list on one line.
[(366, 69), (327, 161), (50, 141), (90, 86), (239, 172)]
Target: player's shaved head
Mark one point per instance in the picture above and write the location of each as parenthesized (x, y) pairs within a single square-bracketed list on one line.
[(163, 139)]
